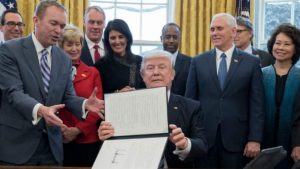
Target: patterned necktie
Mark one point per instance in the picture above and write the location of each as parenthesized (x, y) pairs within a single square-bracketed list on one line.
[(96, 54), (45, 69), (222, 70)]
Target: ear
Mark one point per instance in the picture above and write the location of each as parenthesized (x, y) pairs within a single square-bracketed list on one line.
[(161, 38)]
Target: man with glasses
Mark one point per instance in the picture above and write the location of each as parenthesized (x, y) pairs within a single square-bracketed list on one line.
[(12, 25), (243, 41)]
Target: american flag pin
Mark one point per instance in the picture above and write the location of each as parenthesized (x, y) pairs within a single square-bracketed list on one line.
[(175, 108), (235, 60)]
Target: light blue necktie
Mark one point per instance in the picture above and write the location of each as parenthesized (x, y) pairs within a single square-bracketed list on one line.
[(45, 69), (222, 70)]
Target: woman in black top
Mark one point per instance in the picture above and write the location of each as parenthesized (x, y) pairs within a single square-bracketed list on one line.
[(119, 68)]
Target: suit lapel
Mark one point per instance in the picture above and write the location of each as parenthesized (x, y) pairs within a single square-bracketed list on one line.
[(82, 73), (32, 61), (178, 63), (213, 68), (173, 109), (56, 64), (235, 61)]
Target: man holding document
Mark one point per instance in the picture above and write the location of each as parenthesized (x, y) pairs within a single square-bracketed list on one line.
[(187, 140)]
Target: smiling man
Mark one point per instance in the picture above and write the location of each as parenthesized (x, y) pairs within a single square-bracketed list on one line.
[(228, 84), (187, 140), (12, 24)]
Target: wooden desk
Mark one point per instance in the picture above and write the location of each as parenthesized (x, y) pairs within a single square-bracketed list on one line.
[(40, 167)]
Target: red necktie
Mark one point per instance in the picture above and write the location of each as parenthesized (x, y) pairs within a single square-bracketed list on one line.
[(96, 54)]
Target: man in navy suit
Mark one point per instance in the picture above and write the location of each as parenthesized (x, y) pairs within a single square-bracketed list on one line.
[(94, 23), (244, 38), (35, 83), (232, 99), (171, 37), (187, 140)]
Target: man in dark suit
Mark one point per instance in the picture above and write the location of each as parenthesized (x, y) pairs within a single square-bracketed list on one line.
[(243, 41), (94, 23), (187, 139), (12, 25), (36, 82), (171, 37), (232, 99)]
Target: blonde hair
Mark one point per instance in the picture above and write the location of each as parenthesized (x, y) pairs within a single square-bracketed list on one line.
[(70, 33)]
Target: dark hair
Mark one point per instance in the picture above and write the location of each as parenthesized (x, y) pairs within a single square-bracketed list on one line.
[(164, 29), (6, 12), (122, 27), (44, 4), (290, 31)]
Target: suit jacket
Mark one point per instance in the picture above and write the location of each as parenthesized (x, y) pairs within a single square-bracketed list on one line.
[(186, 113), (265, 58), (238, 108), (86, 79), (22, 88), (295, 136), (86, 56), (182, 67)]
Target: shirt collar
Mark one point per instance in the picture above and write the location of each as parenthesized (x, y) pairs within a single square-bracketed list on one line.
[(38, 46), (248, 49), (92, 44), (228, 53)]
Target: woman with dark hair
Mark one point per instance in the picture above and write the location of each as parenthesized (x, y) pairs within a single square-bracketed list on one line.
[(281, 80), (119, 67)]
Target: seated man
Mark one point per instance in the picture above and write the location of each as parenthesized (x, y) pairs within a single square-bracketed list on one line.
[(187, 140)]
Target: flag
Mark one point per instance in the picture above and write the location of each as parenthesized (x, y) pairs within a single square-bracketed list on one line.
[(243, 8), (7, 4)]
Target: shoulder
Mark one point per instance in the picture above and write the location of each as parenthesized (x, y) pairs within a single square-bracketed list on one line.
[(187, 102), (183, 56)]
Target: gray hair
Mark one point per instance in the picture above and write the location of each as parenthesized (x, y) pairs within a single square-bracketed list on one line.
[(156, 54), (95, 7), (229, 19)]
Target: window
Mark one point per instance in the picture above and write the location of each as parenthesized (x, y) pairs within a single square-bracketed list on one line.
[(144, 17), (270, 13)]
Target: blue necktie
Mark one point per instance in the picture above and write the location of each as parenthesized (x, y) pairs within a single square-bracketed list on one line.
[(222, 70), (45, 69)]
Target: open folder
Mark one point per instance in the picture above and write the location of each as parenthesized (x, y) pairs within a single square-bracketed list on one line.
[(140, 121)]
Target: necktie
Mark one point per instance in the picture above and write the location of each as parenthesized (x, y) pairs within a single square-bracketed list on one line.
[(222, 70), (45, 69), (96, 54)]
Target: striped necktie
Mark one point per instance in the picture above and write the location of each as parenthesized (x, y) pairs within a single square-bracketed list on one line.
[(45, 69), (222, 73)]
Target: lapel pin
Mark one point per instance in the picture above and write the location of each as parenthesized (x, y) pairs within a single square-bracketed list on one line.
[(84, 75), (235, 60), (175, 108)]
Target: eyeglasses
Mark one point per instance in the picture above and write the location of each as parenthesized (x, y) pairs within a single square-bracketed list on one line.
[(12, 24), (241, 30)]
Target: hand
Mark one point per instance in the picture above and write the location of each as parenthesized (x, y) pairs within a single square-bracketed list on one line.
[(49, 114), (126, 89), (94, 104), (70, 133), (296, 153), (177, 137), (105, 131), (252, 149)]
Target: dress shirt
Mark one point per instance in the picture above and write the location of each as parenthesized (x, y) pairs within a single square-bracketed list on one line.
[(92, 49), (248, 49), (174, 57), (228, 54), (39, 47)]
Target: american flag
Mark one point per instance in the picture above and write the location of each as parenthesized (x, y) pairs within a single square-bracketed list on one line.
[(243, 8)]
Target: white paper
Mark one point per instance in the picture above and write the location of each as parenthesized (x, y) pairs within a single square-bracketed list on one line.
[(137, 112), (140, 153)]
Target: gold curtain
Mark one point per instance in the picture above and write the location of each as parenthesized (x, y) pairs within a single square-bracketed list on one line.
[(75, 10), (193, 17)]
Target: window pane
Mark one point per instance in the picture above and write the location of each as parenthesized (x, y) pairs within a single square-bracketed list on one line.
[(99, 1), (109, 10), (276, 13), (154, 17), (131, 15), (297, 14), (136, 49), (130, 1), (155, 1)]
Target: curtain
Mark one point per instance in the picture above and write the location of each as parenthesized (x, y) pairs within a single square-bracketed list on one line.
[(193, 17), (75, 10)]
